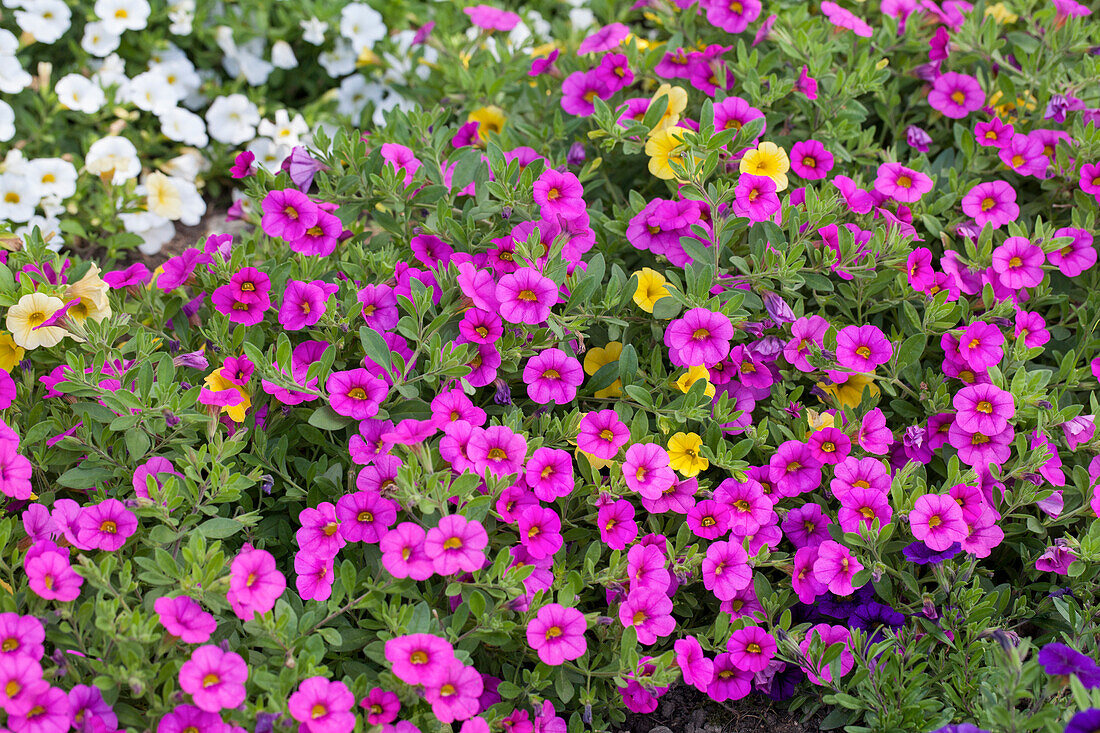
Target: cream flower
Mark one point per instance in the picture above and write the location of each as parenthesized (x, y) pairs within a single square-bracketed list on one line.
[(31, 311)]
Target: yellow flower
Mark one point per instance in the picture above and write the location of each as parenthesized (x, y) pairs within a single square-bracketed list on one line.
[(367, 58), (693, 375), (33, 310), (490, 120), (596, 463), (683, 454), (595, 359), (651, 288), (850, 393), (10, 353), (677, 103), (768, 160), (544, 50), (664, 146), (1000, 13), (818, 421), (92, 292), (643, 44), (215, 382), (164, 198)]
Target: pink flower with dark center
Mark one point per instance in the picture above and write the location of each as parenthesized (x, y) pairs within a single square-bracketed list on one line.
[(382, 706), (805, 583), (730, 682), (861, 507), (557, 634), (646, 567), (188, 719), (859, 473), (829, 446), (806, 526), (981, 345), (320, 530), (319, 240), (835, 567), (749, 508), (19, 677), (956, 95), (540, 532), (731, 16), (862, 348), (182, 616), (578, 91), (365, 516), (214, 678), (315, 576), (793, 469), (980, 449), (709, 519), (419, 659), (288, 213), (21, 636), (355, 393), (806, 331), (379, 307), (732, 113), (1024, 155), (647, 471), (1018, 263), (1076, 256)]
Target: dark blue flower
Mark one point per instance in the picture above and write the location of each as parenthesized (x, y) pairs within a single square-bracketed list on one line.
[(960, 728), (919, 553), (1086, 721), (871, 616), (1059, 659)]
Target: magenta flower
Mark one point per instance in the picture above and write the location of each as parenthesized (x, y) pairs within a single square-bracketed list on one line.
[(899, 183), (214, 678), (182, 616), (993, 134), (549, 473), (526, 296), (647, 470), (646, 567), (806, 84), (859, 508), (696, 669), (315, 575), (20, 676), (365, 516), (862, 348), (480, 327), (650, 613), (726, 569), (1031, 329), (498, 450), (823, 636), (42, 709), (981, 345), (320, 239), (557, 634), (302, 167), (552, 376), (320, 530), (21, 636), (455, 544), (709, 519), (956, 95), (602, 433), (1018, 263), (245, 298), (1024, 155), (991, 203), (983, 408), (730, 682), (937, 521), (755, 198), (617, 525), (419, 659), (242, 165), (806, 331), (288, 214), (981, 449), (843, 18), (806, 526), (304, 303), (379, 307), (805, 583), (402, 160), (104, 526), (835, 567), (322, 706), (382, 706), (751, 648), (732, 17), (749, 508), (559, 194), (793, 470), (456, 695), (489, 18), (732, 113), (604, 39), (829, 446), (15, 472), (540, 532), (1056, 559), (255, 583), (859, 473), (700, 337), (1077, 256), (188, 718), (578, 91), (403, 553), (810, 160), (355, 393)]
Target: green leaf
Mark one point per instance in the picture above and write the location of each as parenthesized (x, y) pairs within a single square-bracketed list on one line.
[(628, 364), (218, 528), (375, 346), (326, 418)]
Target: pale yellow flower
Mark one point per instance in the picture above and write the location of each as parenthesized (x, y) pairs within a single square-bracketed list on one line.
[(92, 292), (32, 311), (768, 160), (665, 146), (597, 358), (163, 197), (693, 375), (677, 103)]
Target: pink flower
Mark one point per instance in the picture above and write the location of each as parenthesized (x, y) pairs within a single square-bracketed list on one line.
[(559, 194), (20, 677), (730, 682), (1024, 154), (182, 616), (419, 659), (732, 17), (526, 296), (188, 718), (255, 583), (492, 19), (822, 636), (700, 337), (646, 470), (726, 569), (557, 634), (15, 472), (49, 574), (21, 636), (552, 376), (616, 523), (104, 526), (859, 508), (842, 18), (214, 678), (602, 433), (578, 91), (902, 184), (937, 521), (983, 408), (288, 214), (806, 84), (829, 446), (455, 544), (751, 648), (455, 695), (650, 613), (696, 669), (995, 133), (1018, 263), (956, 95), (1077, 256), (539, 532), (304, 303), (810, 160), (364, 516), (322, 706), (356, 393), (993, 203), (381, 705), (862, 348), (981, 345), (793, 469), (498, 450), (403, 553), (835, 567), (755, 198)]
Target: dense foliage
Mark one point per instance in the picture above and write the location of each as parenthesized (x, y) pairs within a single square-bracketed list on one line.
[(565, 357)]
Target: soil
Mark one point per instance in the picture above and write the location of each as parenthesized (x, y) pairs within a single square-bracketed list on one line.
[(685, 710)]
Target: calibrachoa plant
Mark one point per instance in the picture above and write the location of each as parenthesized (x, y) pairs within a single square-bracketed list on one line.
[(742, 347)]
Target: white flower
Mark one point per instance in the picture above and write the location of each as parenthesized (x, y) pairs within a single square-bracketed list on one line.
[(123, 15), (355, 93), (581, 18), (163, 199), (187, 165), (182, 15), (46, 20), (252, 66), (9, 44), (155, 231), (80, 94), (13, 77), (284, 130), (165, 53), (269, 155), (54, 177), (183, 127), (50, 228), (98, 40), (392, 100), (282, 55), (14, 162), (180, 74), (340, 61), (18, 197), (151, 92), (313, 31), (109, 72), (192, 204), (232, 119), (404, 61), (115, 156), (362, 25), (223, 36), (7, 122)]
